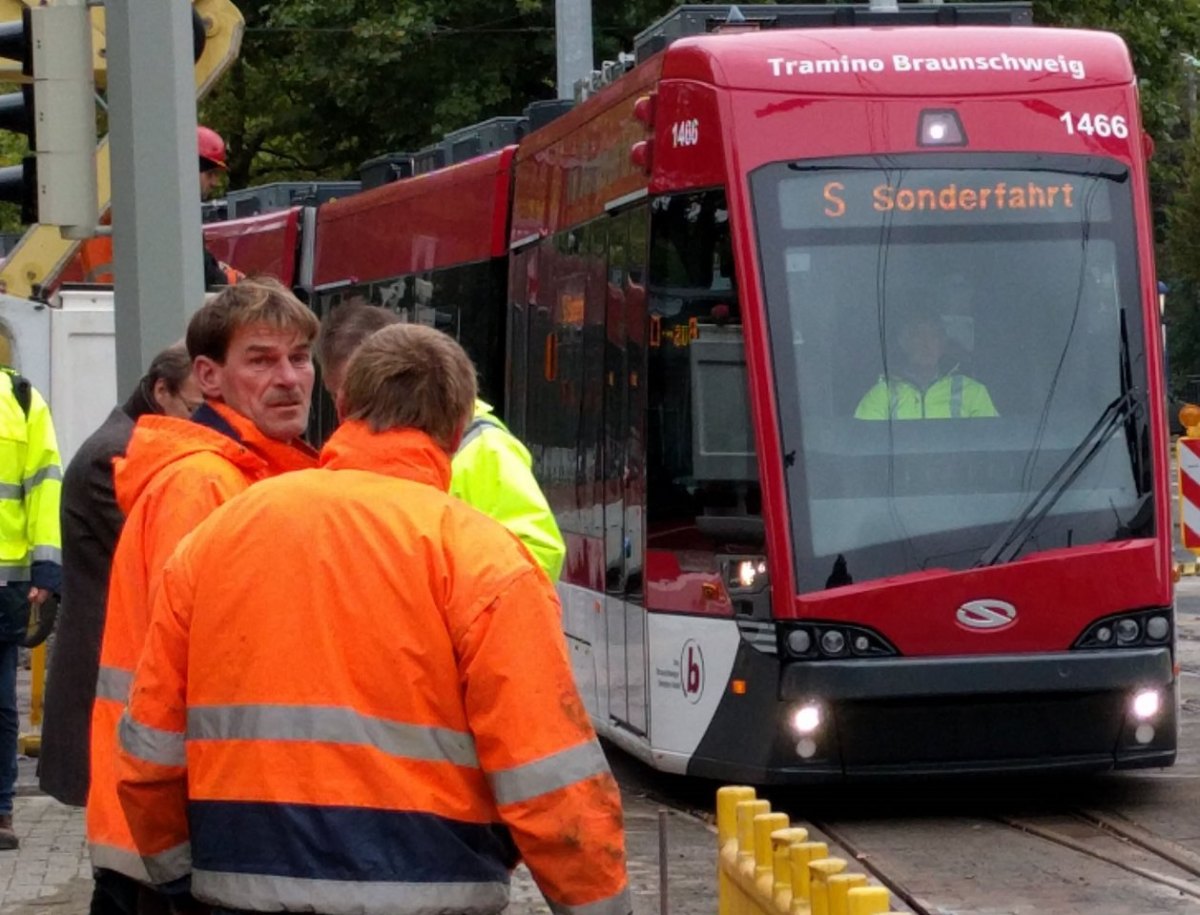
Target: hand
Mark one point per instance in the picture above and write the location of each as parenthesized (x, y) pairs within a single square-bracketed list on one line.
[(38, 596)]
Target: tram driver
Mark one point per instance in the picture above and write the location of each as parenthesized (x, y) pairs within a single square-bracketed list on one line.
[(923, 377)]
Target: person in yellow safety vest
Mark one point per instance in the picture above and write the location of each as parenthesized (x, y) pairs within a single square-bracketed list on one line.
[(491, 470), (922, 386), (30, 546)]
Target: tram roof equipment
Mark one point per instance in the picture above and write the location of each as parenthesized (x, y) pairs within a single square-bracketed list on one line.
[(701, 19)]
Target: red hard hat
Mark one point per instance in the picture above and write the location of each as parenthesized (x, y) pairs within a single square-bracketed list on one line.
[(211, 146)]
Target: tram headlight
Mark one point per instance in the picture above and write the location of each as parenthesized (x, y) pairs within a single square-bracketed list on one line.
[(1134, 629), (806, 719), (825, 640), (1146, 704), (1128, 631), (1158, 628), (941, 127), (799, 641), (833, 642)]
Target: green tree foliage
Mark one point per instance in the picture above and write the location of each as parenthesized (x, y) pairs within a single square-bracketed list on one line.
[(321, 86)]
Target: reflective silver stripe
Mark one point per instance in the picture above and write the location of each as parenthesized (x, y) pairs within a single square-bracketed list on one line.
[(163, 747), (330, 724), (12, 491), (113, 683), (620, 904), (118, 859), (474, 429), (161, 868), (18, 571), (548, 774), (265, 893), (956, 392), (52, 472), (47, 554), (170, 864)]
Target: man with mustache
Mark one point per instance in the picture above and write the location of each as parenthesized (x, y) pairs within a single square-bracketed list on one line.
[(251, 351)]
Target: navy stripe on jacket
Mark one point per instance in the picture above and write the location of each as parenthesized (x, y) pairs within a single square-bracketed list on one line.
[(346, 843)]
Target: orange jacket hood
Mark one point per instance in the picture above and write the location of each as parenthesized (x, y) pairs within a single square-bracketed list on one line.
[(404, 453), (159, 441)]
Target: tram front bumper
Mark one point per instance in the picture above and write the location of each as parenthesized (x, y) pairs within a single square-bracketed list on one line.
[(1054, 711)]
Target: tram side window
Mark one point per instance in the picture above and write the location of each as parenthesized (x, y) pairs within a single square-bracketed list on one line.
[(702, 487), (323, 418)]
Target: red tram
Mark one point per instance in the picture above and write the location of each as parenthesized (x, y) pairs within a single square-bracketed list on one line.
[(834, 336)]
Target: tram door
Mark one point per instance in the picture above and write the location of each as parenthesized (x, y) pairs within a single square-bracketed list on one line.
[(622, 468)]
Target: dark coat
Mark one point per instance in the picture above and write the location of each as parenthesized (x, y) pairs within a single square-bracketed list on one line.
[(91, 523)]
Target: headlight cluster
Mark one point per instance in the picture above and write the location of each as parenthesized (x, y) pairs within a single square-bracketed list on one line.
[(1128, 630), (822, 641)]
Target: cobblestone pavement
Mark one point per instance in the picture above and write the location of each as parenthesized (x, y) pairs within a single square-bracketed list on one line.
[(50, 873)]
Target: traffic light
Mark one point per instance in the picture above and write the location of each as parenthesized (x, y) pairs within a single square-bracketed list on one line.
[(56, 183)]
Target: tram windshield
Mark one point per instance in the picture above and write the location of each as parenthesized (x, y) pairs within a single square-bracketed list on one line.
[(959, 359)]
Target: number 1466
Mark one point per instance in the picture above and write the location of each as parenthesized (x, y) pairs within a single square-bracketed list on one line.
[(1095, 125)]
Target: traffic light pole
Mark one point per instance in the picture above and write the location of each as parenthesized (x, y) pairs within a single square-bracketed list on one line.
[(157, 265)]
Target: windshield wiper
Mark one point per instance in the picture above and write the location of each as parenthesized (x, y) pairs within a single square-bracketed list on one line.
[(1017, 534)]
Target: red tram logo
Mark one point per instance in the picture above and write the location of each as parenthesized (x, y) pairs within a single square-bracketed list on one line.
[(988, 613), (691, 671)]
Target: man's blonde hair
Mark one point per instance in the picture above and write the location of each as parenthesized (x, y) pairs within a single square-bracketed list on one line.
[(411, 376), (255, 300)]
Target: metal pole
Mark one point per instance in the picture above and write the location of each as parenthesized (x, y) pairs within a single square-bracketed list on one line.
[(664, 902), (157, 265), (573, 31)]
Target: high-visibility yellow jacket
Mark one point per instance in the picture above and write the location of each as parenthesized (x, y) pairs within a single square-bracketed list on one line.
[(493, 472), (952, 396), (174, 474), (30, 490), (377, 723)]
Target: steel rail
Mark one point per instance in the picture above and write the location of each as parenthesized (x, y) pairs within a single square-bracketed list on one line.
[(896, 886), (1129, 831), (1058, 838)]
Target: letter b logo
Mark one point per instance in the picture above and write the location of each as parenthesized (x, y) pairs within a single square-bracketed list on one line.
[(691, 668)]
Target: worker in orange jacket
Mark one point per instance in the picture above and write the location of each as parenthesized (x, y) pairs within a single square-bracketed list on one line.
[(251, 350), (403, 723)]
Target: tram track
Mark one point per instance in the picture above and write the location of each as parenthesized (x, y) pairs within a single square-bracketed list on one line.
[(1154, 846), (1104, 839), (895, 886)]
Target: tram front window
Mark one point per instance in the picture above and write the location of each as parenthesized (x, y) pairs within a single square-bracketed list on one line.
[(959, 359)]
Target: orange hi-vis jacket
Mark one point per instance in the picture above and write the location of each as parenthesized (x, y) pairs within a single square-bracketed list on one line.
[(174, 474), (382, 723)]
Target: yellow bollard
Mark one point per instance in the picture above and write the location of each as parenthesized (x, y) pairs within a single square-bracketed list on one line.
[(840, 886), (727, 851), (800, 856), (820, 872), (764, 851), (727, 800), (38, 694), (783, 840), (30, 744), (870, 900), (746, 812)]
